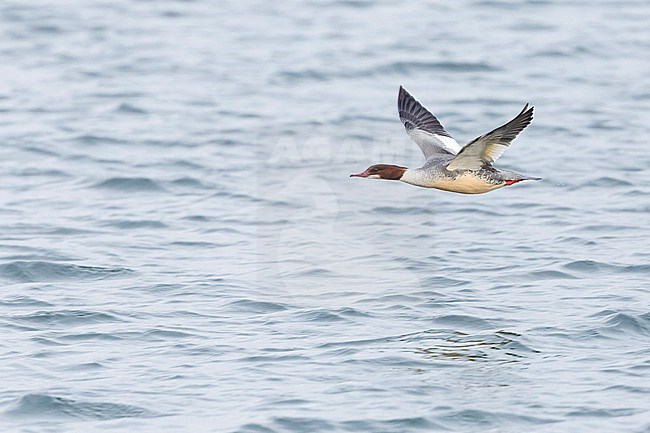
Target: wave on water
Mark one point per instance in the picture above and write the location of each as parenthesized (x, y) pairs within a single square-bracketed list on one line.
[(43, 271), (96, 139), (402, 68), (463, 418), (130, 184), (65, 318), (44, 406), (191, 182), (130, 109), (458, 321), (415, 66), (458, 420), (606, 182), (591, 267), (618, 322), (257, 307), (23, 301), (136, 224), (549, 274)]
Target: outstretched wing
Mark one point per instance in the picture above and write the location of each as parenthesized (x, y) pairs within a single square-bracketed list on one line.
[(423, 127), (487, 148)]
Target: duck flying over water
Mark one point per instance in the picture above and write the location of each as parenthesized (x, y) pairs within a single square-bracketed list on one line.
[(466, 170)]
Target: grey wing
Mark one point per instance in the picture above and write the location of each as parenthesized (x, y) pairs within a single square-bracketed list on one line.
[(487, 148), (423, 127)]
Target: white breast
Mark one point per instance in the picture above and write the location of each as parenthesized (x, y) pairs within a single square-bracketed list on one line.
[(466, 183)]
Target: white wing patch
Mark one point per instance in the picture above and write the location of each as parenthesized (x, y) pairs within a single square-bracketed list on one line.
[(431, 144), (475, 157), (424, 128)]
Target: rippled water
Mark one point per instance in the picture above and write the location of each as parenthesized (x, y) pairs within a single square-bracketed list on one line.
[(182, 248)]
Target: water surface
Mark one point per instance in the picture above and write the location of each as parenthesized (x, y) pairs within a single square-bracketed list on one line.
[(182, 248)]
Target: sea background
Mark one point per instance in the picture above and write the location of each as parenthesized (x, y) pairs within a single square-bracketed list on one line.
[(182, 249)]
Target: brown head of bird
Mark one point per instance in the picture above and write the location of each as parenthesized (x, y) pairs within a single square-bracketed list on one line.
[(382, 171)]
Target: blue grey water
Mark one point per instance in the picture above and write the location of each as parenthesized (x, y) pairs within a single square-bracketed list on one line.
[(182, 249)]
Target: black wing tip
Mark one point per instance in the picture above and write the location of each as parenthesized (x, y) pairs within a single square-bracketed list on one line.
[(525, 116), (403, 95), (528, 109), (405, 102), (415, 116)]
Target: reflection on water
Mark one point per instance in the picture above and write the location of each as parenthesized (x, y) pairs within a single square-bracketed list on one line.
[(466, 347)]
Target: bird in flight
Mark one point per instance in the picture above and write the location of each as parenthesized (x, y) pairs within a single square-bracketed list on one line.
[(466, 170)]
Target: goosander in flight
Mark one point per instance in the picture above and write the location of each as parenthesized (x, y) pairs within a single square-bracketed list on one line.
[(466, 170)]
